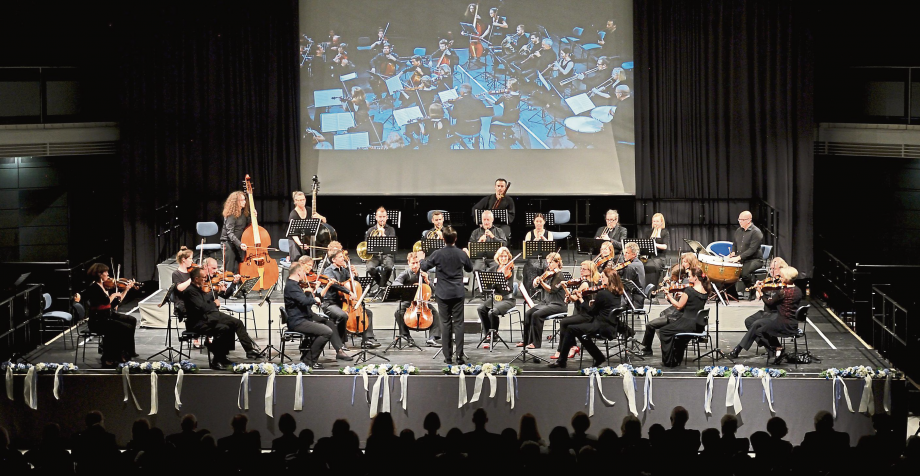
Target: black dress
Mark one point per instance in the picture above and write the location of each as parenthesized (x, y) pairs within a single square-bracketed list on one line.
[(230, 238), (672, 350), (117, 329), (294, 250)]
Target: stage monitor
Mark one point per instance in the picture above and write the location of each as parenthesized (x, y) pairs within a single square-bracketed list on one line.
[(537, 91)]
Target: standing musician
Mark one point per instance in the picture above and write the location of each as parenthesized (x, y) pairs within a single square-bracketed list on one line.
[(499, 304), (486, 232), (552, 301), (101, 305), (534, 267), (468, 112), (300, 212), (385, 64), (444, 55), (603, 320), (678, 275), (380, 267), (746, 250), (377, 46), (204, 316), (633, 274), (298, 303), (498, 201), (660, 235), (613, 232), (564, 67), (590, 277), (410, 277), (766, 331), (471, 16), (451, 263), (332, 302), (236, 219)]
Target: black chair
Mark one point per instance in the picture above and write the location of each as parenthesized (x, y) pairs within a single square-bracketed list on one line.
[(304, 340), (86, 335), (801, 317), (606, 335), (187, 339), (695, 338)]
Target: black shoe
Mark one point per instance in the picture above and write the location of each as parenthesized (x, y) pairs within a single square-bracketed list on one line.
[(370, 344), (448, 361), (460, 361), (557, 365), (253, 355), (779, 358), (431, 342), (646, 352), (410, 341), (316, 366), (215, 365), (599, 362), (734, 353), (342, 356)]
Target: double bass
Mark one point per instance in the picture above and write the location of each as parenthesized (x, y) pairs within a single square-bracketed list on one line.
[(418, 316), (326, 233), (475, 44), (257, 240)]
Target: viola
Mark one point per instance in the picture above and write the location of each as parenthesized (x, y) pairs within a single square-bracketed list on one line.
[(122, 283), (775, 286)]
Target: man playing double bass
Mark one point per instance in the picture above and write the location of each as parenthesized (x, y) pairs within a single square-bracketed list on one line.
[(498, 201), (332, 302), (410, 277)]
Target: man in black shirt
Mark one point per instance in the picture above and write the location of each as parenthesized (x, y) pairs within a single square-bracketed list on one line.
[(332, 303), (486, 232), (301, 318), (746, 250), (203, 316), (500, 197), (612, 232), (410, 277), (451, 263), (386, 65), (468, 112), (379, 266), (633, 275)]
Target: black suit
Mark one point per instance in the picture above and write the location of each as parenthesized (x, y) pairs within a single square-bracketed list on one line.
[(488, 203), (301, 318), (451, 263), (94, 449), (684, 442), (380, 266), (635, 272), (616, 234), (204, 317)]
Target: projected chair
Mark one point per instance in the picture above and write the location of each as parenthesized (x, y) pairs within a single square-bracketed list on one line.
[(587, 48)]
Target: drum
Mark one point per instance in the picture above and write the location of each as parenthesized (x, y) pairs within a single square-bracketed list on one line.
[(603, 113), (580, 129), (719, 270)]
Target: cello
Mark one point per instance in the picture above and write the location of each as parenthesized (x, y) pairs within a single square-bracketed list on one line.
[(357, 317), (418, 316), (326, 233), (257, 261)]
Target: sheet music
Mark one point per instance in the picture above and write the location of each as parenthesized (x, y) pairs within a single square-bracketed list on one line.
[(348, 77), (526, 295), (394, 85), (543, 81), (407, 114), (580, 103), (324, 98), (351, 141), (337, 121), (448, 95)]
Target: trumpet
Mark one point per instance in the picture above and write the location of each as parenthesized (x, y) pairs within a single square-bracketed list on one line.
[(574, 77), (362, 247)]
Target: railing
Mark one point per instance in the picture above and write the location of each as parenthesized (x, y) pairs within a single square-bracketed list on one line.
[(890, 332), (835, 284), (20, 322)]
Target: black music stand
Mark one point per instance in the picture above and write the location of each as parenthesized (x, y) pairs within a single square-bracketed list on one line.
[(633, 345), (303, 228), (588, 246), (525, 352), (245, 288), (500, 216), (432, 244), (361, 356), (549, 217), (484, 250), (400, 293), (646, 246), (267, 351), (169, 350), (716, 352), (383, 245), (539, 249), (494, 283)]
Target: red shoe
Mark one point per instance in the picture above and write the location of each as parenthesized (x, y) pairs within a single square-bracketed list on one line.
[(486, 345), (555, 356), (519, 344), (574, 351)]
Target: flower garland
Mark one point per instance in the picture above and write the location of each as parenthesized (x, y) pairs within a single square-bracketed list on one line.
[(629, 374), (17, 368), (154, 369), (862, 371), (483, 371), (258, 369), (389, 369), (476, 369), (159, 367), (740, 371), (617, 371), (30, 389), (271, 370), (383, 386), (867, 374), (52, 368)]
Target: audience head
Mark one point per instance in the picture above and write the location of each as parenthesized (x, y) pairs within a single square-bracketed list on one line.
[(306, 439), (94, 418), (480, 418), (287, 424), (710, 439), (139, 429), (189, 422), (528, 430), (777, 428), (239, 423), (824, 421), (530, 451), (631, 427), (340, 428), (454, 440), (51, 433), (432, 423), (407, 437), (351, 443), (559, 439), (656, 432), (607, 440), (679, 417), (881, 422), (383, 425), (208, 443), (760, 442), (729, 424), (581, 423), (509, 438)]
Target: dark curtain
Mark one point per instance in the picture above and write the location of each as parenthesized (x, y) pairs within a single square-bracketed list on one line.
[(724, 113), (209, 93)]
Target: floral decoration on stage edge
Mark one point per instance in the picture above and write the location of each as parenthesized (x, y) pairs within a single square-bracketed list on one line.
[(268, 369), (161, 367), (389, 369), (619, 370), (476, 369), (41, 367), (862, 371), (740, 371)]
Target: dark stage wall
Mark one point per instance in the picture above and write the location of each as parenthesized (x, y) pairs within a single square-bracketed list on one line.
[(553, 400)]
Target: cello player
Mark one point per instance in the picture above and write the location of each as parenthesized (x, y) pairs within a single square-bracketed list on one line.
[(332, 302), (408, 278)]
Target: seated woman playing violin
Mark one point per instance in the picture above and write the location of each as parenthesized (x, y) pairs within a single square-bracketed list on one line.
[(101, 300), (551, 301), (500, 303), (769, 308), (785, 300), (298, 303), (678, 277), (589, 277), (603, 320), (410, 277)]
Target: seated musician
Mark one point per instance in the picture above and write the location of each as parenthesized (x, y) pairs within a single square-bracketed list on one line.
[(385, 64), (605, 92), (512, 43), (525, 54), (542, 59), (622, 124), (338, 272), (101, 305), (468, 111), (327, 259), (224, 289), (380, 267), (444, 55), (437, 222), (689, 303), (436, 127), (564, 68), (772, 298), (341, 66), (589, 277), (767, 331), (534, 266), (660, 235), (592, 79), (410, 277), (510, 101), (633, 275), (203, 316), (486, 232), (551, 301), (746, 250), (418, 69), (442, 78), (500, 303), (605, 258), (298, 303), (612, 232), (678, 275), (603, 320), (498, 201)]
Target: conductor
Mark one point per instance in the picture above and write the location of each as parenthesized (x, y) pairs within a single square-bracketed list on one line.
[(451, 263)]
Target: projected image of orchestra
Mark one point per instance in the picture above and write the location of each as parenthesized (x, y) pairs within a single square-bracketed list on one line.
[(451, 75)]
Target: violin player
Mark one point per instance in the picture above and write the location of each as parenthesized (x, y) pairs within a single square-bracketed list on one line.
[(301, 318)]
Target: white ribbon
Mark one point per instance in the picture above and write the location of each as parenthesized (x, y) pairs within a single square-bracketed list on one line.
[(30, 389), (298, 392), (403, 390), (732, 394), (386, 393), (270, 395), (383, 380), (154, 394), (477, 388), (707, 394), (595, 378), (765, 380), (126, 386), (648, 392), (9, 381), (57, 382), (244, 393), (178, 390), (629, 388), (461, 396), (364, 376), (846, 395), (509, 396), (886, 400), (867, 401)]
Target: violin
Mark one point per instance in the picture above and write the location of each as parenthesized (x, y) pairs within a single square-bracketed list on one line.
[(122, 283), (600, 261), (675, 288), (571, 283), (768, 280), (419, 316), (313, 278), (775, 286), (622, 265)]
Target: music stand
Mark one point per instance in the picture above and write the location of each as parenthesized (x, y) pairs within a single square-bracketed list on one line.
[(500, 216), (538, 249), (400, 293), (524, 351), (633, 346), (432, 244), (716, 352), (303, 228), (494, 283), (246, 288), (169, 350), (361, 356), (548, 217), (697, 247), (646, 245), (268, 349), (588, 246), (484, 249)]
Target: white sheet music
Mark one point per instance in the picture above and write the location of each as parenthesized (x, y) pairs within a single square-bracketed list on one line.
[(348, 77), (543, 81), (337, 121), (394, 85), (448, 95), (353, 141), (526, 295), (327, 97), (580, 103), (405, 115)]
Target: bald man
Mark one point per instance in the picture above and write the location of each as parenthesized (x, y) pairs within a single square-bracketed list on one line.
[(746, 249)]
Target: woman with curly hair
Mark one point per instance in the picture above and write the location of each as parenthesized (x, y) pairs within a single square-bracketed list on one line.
[(236, 219)]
